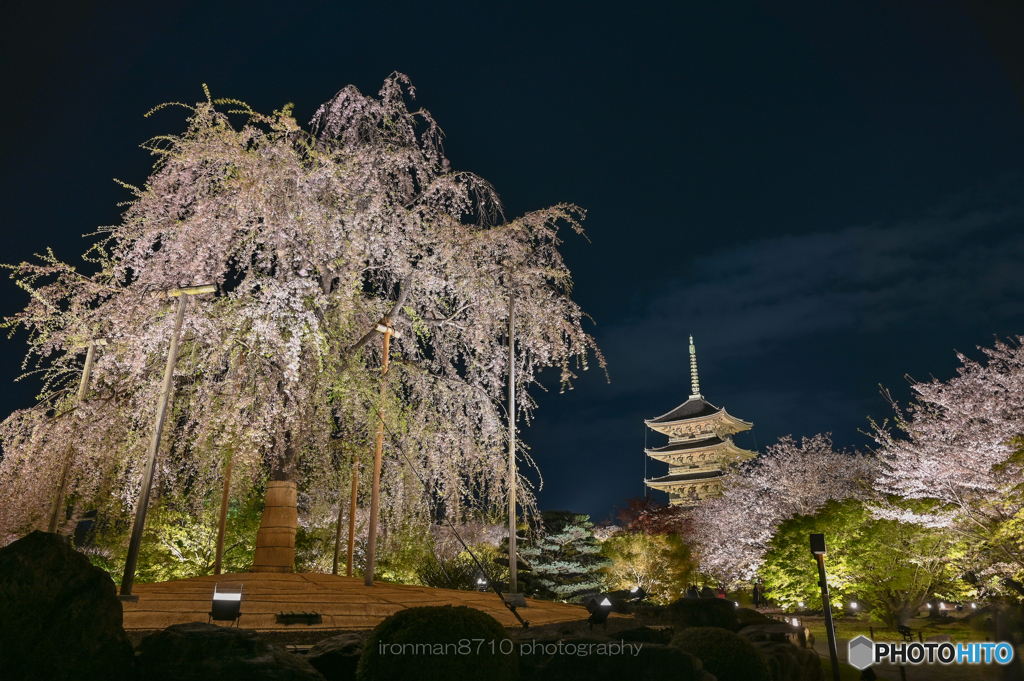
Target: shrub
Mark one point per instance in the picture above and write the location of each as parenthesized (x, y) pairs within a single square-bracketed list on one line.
[(726, 655), (446, 649), (704, 612)]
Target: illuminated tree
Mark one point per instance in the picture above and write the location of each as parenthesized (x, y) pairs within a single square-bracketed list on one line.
[(958, 445), (311, 237), (731, 532), (889, 568)]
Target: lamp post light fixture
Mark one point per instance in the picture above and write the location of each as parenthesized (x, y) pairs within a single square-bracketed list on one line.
[(182, 295), (818, 550)]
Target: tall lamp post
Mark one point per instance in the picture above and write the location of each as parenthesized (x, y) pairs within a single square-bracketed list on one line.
[(818, 549), (182, 295), (69, 452)]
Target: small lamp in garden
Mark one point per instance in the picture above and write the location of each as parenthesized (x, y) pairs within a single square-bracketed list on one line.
[(226, 606), (637, 594), (599, 611), (481, 584), (818, 549)]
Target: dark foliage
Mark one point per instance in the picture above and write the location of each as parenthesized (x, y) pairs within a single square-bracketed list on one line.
[(726, 655), (438, 631)]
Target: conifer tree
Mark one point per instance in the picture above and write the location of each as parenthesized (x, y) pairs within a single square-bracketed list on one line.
[(565, 562)]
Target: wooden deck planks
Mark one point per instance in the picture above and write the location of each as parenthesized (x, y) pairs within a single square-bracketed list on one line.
[(343, 602)]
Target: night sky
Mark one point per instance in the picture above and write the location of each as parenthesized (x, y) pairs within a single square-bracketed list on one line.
[(828, 195)]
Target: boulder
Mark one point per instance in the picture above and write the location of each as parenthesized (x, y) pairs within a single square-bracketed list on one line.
[(776, 631), (703, 612), (206, 652), (600, 658), (338, 657), (787, 662), (59, 614), (747, 616)]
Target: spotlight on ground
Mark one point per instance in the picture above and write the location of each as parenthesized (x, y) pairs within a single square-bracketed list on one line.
[(599, 611)]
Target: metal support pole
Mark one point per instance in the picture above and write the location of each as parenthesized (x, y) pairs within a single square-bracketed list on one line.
[(69, 452), (513, 568), (154, 447), (352, 517), (222, 527), (371, 544), (827, 608)]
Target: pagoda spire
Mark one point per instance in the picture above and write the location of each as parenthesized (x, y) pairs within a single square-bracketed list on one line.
[(694, 383)]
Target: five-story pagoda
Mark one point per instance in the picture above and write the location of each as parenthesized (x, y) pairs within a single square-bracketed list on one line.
[(699, 446)]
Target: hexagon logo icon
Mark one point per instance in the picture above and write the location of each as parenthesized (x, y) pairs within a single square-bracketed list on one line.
[(861, 652)]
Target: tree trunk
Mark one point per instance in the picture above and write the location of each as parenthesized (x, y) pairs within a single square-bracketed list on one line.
[(275, 541)]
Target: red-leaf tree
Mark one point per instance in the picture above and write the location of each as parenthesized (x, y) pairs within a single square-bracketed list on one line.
[(309, 236)]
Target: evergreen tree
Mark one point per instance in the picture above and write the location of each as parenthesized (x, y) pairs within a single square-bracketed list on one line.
[(565, 562)]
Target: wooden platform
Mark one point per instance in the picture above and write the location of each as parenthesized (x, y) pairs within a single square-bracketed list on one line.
[(343, 602)]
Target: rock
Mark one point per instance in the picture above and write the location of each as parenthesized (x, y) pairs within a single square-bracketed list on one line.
[(337, 657), (206, 652), (599, 658), (747, 616), (703, 612), (59, 614), (777, 631), (788, 662)]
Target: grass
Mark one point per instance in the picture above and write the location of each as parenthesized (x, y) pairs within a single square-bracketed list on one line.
[(848, 627)]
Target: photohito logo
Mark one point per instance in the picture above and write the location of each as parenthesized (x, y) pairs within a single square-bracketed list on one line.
[(863, 652)]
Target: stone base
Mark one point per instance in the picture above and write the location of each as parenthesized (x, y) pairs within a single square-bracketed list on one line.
[(516, 600)]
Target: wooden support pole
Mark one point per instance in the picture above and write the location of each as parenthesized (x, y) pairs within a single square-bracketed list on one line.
[(337, 534), (58, 510), (352, 516), (371, 544), (513, 568), (223, 517), (154, 444)]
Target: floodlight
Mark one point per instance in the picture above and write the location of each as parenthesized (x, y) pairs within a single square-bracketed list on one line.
[(481, 584), (226, 606), (637, 594), (801, 604), (854, 605), (599, 611)]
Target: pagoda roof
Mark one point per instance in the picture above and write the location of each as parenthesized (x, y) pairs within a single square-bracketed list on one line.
[(684, 477), (694, 408), (713, 441)]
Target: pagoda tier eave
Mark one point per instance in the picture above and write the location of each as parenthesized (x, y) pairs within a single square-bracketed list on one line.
[(729, 452), (728, 424)]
